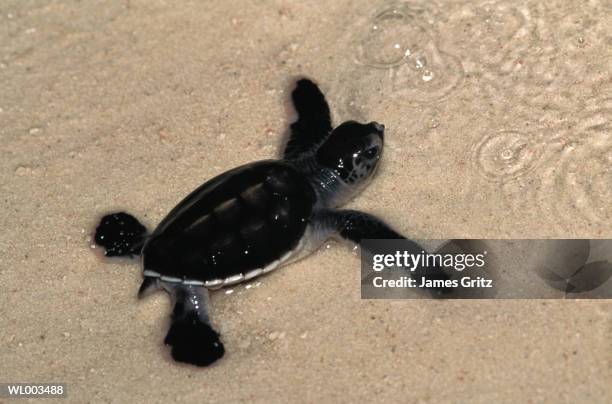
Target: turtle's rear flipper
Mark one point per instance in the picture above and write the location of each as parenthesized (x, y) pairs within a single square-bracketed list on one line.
[(121, 234), (194, 341), (191, 336)]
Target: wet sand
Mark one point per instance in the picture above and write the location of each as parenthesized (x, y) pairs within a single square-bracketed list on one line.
[(498, 126)]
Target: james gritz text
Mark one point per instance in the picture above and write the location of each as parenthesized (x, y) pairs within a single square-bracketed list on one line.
[(407, 282)]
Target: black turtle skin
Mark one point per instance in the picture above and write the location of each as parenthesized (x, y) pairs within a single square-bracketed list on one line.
[(251, 217), (121, 234), (239, 221)]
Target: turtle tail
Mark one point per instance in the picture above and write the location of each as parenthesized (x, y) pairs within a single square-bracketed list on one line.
[(121, 234)]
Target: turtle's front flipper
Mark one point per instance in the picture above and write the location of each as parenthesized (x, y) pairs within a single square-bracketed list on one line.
[(121, 234), (192, 338), (356, 226), (313, 123)]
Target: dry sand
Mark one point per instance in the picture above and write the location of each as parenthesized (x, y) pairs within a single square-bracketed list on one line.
[(501, 128)]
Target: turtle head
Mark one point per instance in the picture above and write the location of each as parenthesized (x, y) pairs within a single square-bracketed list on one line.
[(352, 152)]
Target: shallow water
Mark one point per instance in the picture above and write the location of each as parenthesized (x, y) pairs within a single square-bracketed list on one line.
[(498, 125), (537, 81)]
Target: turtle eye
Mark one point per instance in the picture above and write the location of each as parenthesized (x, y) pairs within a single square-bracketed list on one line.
[(371, 152)]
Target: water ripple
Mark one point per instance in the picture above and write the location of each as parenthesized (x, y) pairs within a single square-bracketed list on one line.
[(577, 180), (492, 34), (507, 155), (396, 61)]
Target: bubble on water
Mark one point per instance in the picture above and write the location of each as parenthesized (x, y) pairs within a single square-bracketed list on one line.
[(395, 62), (413, 83), (433, 122), (416, 59), (392, 34), (375, 92), (506, 155)]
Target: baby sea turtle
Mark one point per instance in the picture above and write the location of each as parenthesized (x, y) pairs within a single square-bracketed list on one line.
[(250, 220)]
